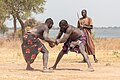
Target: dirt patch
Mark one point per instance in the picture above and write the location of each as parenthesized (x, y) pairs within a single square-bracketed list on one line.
[(12, 63)]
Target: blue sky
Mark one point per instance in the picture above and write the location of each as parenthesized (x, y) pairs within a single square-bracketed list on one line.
[(105, 13)]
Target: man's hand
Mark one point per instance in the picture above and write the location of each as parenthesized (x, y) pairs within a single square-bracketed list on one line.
[(52, 45), (82, 26), (57, 41)]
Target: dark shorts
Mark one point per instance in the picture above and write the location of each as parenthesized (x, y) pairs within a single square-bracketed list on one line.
[(31, 46), (67, 48)]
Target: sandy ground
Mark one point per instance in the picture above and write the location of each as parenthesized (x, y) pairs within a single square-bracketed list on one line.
[(12, 63)]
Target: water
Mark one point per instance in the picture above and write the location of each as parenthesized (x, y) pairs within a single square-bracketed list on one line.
[(106, 32), (98, 32)]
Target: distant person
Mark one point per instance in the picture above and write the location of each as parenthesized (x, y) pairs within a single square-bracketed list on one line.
[(85, 24), (32, 44), (74, 40)]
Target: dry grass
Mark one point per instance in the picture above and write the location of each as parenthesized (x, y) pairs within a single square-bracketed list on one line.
[(12, 64)]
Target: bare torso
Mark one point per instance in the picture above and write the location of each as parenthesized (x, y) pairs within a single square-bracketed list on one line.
[(73, 33), (76, 33), (39, 30)]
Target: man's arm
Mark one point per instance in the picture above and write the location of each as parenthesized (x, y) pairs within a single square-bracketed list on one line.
[(65, 37), (78, 24), (46, 37), (88, 26), (59, 34)]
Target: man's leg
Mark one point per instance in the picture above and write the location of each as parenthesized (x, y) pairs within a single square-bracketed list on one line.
[(83, 61), (45, 59), (27, 58), (82, 49), (95, 59), (60, 55), (29, 67)]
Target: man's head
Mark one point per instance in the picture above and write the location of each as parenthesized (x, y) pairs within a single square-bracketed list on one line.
[(63, 24), (84, 13), (49, 22)]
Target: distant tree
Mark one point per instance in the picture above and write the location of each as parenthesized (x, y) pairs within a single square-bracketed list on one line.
[(22, 9), (3, 13), (3, 29), (30, 22)]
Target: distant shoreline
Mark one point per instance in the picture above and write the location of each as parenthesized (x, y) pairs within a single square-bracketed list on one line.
[(98, 32), (56, 28)]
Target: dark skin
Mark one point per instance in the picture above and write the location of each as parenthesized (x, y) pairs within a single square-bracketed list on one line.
[(84, 15), (42, 31), (71, 33)]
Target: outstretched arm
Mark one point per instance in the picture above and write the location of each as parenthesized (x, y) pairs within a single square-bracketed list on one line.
[(59, 35), (65, 37), (46, 37)]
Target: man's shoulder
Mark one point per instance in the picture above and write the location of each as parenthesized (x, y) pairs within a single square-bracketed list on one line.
[(81, 18), (42, 25), (71, 26), (84, 18), (89, 18)]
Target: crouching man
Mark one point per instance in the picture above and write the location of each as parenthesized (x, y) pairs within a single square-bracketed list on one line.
[(74, 39)]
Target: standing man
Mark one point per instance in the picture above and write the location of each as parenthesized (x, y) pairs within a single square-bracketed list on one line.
[(32, 44), (74, 39), (85, 24)]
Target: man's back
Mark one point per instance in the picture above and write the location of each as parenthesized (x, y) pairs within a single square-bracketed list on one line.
[(76, 32), (39, 30)]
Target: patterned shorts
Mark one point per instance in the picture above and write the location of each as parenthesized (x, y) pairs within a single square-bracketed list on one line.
[(67, 48)]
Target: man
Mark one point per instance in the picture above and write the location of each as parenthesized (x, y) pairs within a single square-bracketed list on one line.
[(74, 39), (32, 44), (85, 24)]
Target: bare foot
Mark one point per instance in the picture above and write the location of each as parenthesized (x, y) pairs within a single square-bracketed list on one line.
[(52, 68), (96, 60), (90, 69), (83, 61), (46, 70), (29, 68)]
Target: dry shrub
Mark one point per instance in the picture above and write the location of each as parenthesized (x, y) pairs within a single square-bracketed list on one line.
[(100, 44), (107, 43), (1, 43), (12, 43), (106, 49)]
